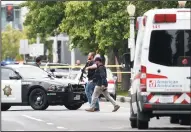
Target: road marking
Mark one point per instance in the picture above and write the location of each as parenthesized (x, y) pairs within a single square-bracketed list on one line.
[(49, 123), (60, 127), (33, 118)]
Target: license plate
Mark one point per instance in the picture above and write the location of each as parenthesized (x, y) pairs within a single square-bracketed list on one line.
[(77, 97), (166, 99)]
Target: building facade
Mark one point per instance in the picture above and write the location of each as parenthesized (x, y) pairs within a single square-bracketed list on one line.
[(64, 54), (18, 13)]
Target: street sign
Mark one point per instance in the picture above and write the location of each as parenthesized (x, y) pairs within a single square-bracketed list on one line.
[(36, 50), (24, 47)]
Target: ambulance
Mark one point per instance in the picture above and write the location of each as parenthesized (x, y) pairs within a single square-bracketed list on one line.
[(161, 72)]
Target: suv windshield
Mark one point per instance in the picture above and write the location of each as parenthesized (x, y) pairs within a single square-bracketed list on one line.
[(170, 47), (32, 72)]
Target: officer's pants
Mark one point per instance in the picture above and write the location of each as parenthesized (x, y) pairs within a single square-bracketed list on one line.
[(97, 91)]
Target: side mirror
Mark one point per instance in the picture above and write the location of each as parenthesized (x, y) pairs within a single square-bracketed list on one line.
[(14, 77), (126, 61), (52, 70)]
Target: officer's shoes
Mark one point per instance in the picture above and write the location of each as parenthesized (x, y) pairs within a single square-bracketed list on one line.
[(90, 109), (96, 109), (116, 108)]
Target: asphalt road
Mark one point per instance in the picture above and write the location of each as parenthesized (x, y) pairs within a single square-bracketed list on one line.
[(58, 118)]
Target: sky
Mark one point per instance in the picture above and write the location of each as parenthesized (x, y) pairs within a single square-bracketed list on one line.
[(11, 2)]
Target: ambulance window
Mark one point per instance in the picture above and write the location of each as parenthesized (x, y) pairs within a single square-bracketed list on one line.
[(167, 46), (6, 73)]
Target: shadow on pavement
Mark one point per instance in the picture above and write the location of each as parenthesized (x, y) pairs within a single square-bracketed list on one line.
[(171, 128), (45, 110)]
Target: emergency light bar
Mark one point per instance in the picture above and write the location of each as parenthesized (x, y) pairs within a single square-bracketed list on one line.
[(162, 18)]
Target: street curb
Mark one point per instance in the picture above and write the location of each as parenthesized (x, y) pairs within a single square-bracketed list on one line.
[(123, 99)]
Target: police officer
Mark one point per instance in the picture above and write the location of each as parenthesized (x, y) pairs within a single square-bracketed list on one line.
[(100, 78), (38, 62), (89, 89)]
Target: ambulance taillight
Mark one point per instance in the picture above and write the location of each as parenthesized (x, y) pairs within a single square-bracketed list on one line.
[(143, 79), (165, 18), (137, 25), (144, 20)]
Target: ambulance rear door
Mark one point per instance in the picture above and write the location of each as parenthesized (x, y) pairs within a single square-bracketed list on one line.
[(168, 68)]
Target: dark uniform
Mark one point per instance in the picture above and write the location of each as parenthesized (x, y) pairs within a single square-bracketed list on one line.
[(38, 60), (89, 89), (100, 79)]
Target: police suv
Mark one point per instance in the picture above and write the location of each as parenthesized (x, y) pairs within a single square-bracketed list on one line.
[(161, 74), (30, 85)]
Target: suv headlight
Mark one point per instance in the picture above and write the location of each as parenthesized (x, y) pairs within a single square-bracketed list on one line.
[(56, 88)]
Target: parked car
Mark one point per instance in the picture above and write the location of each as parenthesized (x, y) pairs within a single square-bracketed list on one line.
[(57, 70), (75, 75), (112, 84), (112, 81), (30, 85)]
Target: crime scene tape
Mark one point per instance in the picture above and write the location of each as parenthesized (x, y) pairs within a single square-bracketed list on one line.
[(121, 72), (81, 66)]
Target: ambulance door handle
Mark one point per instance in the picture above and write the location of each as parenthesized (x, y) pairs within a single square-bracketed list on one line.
[(158, 70), (188, 77)]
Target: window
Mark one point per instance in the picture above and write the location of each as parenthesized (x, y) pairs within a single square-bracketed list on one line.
[(36, 72), (6, 73), (167, 47)]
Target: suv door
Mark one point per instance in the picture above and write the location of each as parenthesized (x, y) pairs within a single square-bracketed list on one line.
[(10, 88)]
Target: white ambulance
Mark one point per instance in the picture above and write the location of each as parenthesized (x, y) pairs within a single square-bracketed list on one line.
[(161, 75)]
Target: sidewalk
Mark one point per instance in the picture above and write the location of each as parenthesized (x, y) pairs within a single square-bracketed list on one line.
[(122, 98)]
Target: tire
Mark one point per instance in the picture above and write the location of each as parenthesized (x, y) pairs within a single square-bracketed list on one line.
[(134, 124), (185, 121), (174, 120), (5, 107), (133, 117), (38, 105), (142, 124), (73, 106)]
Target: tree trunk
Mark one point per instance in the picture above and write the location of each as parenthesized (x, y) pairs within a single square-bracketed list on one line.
[(125, 82), (111, 60)]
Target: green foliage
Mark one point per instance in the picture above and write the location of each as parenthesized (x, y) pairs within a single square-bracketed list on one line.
[(43, 17), (96, 25), (11, 41), (91, 25)]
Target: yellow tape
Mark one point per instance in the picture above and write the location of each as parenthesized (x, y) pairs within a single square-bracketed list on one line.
[(75, 66), (121, 72)]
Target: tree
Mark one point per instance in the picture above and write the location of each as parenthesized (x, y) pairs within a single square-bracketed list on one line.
[(91, 25), (11, 41), (43, 18)]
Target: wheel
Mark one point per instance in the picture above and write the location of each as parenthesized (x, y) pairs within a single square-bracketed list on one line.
[(133, 117), (133, 124), (38, 99), (174, 120), (73, 106), (5, 107), (142, 122), (185, 121)]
